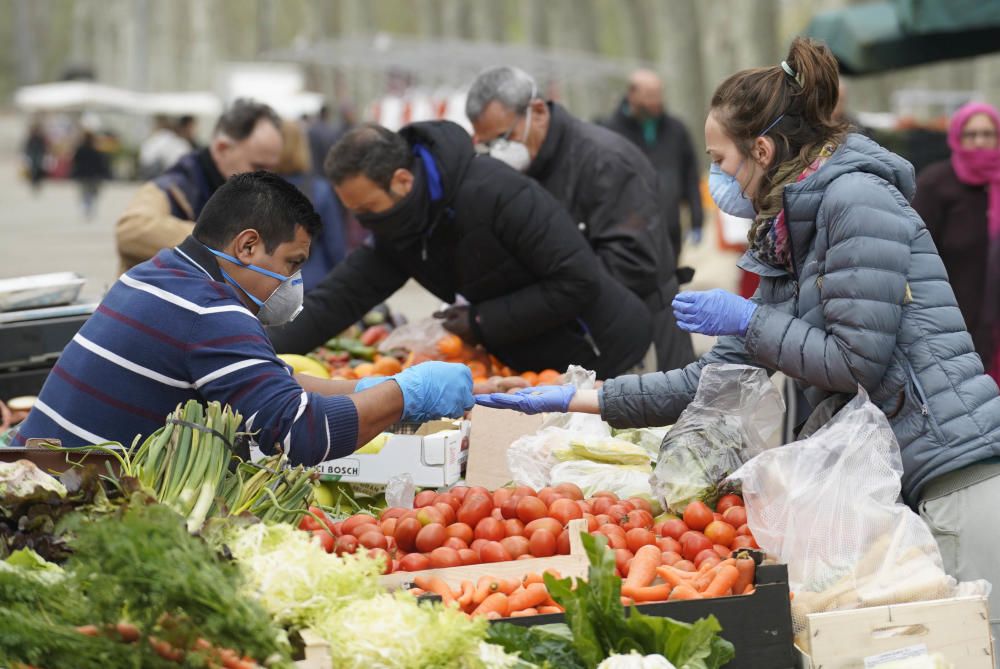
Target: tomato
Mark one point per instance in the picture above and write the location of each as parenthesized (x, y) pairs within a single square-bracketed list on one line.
[(550, 524), (531, 508), (501, 495), (326, 540), (668, 544), (392, 512), (685, 565), (355, 520), (627, 505), (602, 519), (449, 499), (424, 498), (455, 543), (726, 502), (723, 551), (480, 490), (310, 524), (744, 542), (611, 529), (616, 541), (406, 533), (591, 521), (693, 543), (641, 503), (735, 516), (542, 543), (670, 558), (525, 491), (373, 539), (444, 557), (549, 496), (430, 514), (509, 508), (414, 562), (703, 555), (513, 528), (446, 512), (565, 510), (495, 513), (562, 543), (743, 531), (460, 531), (516, 546), (720, 532), (605, 493), (363, 528), (586, 507), (475, 507), (468, 556), (638, 537), (346, 544), (570, 490), (526, 556), (638, 518), (494, 551), (600, 505), (697, 515), (459, 491), (388, 526), (490, 529), (430, 537), (617, 512), (623, 560)]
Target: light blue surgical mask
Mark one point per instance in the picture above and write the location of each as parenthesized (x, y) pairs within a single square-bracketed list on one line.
[(282, 305), (726, 190)]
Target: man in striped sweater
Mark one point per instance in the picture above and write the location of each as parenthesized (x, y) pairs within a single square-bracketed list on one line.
[(188, 324)]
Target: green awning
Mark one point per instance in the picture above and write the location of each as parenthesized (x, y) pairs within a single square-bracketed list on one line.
[(891, 34)]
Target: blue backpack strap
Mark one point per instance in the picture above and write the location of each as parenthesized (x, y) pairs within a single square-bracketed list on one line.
[(434, 186)]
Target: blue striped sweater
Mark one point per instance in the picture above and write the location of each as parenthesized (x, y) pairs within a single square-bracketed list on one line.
[(171, 330)]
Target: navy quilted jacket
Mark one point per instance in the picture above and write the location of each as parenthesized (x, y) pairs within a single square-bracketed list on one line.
[(869, 303)]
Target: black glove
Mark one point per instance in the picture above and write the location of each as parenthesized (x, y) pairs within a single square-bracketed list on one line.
[(458, 321)]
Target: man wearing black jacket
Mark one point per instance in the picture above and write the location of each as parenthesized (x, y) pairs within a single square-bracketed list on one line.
[(466, 225), (607, 185)]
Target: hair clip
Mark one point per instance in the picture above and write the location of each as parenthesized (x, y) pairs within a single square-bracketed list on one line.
[(790, 72)]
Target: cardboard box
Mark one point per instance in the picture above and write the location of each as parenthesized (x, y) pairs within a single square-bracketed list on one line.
[(958, 629), (493, 431), (434, 456)]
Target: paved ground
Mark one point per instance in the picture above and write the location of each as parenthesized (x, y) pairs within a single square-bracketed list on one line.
[(47, 232)]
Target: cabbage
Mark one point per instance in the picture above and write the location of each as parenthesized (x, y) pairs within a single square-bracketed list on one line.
[(296, 581), (610, 450), (394, 631)]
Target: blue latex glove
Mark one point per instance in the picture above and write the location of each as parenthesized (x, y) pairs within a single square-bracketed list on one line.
[(541, 399), (713, 312), (434, 390), (369, 382), (694, 236)]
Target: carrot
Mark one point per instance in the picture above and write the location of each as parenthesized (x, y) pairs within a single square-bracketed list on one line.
[(545, 610), (674, 577), (436, 585), (524, 612), (703, 580), (128, 632), (465, 599), (88, 630), (649, 593), (497, 602), (724, 580), (684, 591), (530, 597), (533, 578), (486, 586), (643, 568), (627, 601), (493, 615), (747, 568), (508, 586), (750, 590), (416, 592)]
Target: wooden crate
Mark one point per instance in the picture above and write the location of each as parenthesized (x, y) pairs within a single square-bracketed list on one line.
[(317, 652), (574, 564), (958, 629)]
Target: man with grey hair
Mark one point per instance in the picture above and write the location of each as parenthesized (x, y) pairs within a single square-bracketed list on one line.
[(605, 183), (640, 118)]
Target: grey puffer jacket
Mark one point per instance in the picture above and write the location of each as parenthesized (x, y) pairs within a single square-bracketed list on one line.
[(869, 304)]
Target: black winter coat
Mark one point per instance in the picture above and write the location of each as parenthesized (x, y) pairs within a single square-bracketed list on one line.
[(498, 239), (610, 189)]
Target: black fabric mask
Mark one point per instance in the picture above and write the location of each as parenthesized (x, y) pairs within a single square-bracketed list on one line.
[(405, 220)]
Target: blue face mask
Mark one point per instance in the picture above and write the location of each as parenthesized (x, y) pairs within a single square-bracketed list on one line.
[(726, 190), (283, 305)]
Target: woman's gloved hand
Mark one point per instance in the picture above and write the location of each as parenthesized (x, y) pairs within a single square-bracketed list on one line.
[(713, 312), (541, 399), (435, 390)]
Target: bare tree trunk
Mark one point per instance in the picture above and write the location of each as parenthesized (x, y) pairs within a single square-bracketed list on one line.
[(202, 51), (756, 33), (27, 59), (681, 65), (638, 13)]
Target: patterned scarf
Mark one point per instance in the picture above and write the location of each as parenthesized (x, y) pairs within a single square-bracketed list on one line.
[(768, 236)]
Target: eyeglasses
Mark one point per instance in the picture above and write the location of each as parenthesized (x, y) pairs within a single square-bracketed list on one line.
[(485, 146), (972, 135)]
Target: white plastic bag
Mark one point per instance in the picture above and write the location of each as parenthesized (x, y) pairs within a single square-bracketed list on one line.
[(592, 477), (828, 506), (419, 336), (734, 412)]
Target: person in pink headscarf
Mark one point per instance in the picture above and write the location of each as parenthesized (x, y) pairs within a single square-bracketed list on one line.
[(959, 200)]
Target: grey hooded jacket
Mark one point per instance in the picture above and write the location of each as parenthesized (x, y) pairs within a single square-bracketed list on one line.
[(869, 304)]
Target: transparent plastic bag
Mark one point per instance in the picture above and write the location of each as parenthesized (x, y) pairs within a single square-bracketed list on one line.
[(733, 414), (623, 480), (421, 337), (828, 506), (400, 491)]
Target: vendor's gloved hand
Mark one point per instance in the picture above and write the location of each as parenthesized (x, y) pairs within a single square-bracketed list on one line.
[(713, 312), (435, 390), (369, 382), (458, 320), (694, 236), (541, 399)]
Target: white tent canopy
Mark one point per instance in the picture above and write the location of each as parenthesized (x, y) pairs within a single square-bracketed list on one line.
[(78, 96)]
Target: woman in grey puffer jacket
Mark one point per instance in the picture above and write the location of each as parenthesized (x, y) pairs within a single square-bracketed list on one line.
[(853, 292)]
